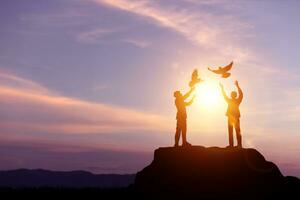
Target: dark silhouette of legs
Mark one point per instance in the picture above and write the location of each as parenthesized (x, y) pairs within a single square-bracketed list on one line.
[(238, 132), (177, 135), (179, 129), (236, 123), (184, 142), (230, 132)]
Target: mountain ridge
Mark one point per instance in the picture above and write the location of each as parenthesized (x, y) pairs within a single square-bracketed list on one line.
[(26, 178)]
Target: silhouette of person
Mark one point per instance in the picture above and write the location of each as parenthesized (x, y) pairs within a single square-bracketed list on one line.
[(233, 114), (181, 116)]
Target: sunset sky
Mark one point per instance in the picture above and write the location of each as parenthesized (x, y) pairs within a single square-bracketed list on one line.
[(88, 84)]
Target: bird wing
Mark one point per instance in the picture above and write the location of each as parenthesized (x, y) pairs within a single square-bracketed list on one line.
[(226, 75), (227, 68), (217, 71), (195, 74)]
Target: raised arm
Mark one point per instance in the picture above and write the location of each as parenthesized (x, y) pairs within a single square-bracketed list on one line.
[(188, 93), (224, 93), (241, 95), (190, 102)]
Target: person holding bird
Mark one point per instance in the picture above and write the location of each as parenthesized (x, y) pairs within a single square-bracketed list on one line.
[(181, 116), (195, 79)]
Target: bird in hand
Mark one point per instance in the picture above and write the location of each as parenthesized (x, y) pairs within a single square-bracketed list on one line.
[(195, 79)]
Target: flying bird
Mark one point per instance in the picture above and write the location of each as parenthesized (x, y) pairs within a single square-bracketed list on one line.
[(195, 79), (223, 70)]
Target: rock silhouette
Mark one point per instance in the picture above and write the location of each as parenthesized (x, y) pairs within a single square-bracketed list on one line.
[(213, 173)]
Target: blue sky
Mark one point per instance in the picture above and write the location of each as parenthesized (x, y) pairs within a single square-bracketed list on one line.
[(98, 76)]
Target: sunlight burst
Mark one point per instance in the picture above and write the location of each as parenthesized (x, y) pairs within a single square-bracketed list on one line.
[(208, 95)]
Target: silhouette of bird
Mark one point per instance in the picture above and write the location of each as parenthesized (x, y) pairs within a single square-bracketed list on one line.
[(195, 79), (223, 70)]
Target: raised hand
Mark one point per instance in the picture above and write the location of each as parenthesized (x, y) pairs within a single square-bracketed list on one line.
[(236, 83)]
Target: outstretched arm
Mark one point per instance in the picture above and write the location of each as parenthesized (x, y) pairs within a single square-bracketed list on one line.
[(190, 102), (241, 95), (224, 93), (189, 93)]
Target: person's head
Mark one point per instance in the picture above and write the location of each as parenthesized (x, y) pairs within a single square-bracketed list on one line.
[(177, 94), (233, 95)]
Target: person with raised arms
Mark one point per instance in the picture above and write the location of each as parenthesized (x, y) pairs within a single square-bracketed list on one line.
[(233, 113)]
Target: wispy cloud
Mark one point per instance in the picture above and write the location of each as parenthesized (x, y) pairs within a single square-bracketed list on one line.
[(97, 88), (93, 36), (99, 35), (137, 42), (22, 83), (219, 32), (27, 106)]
